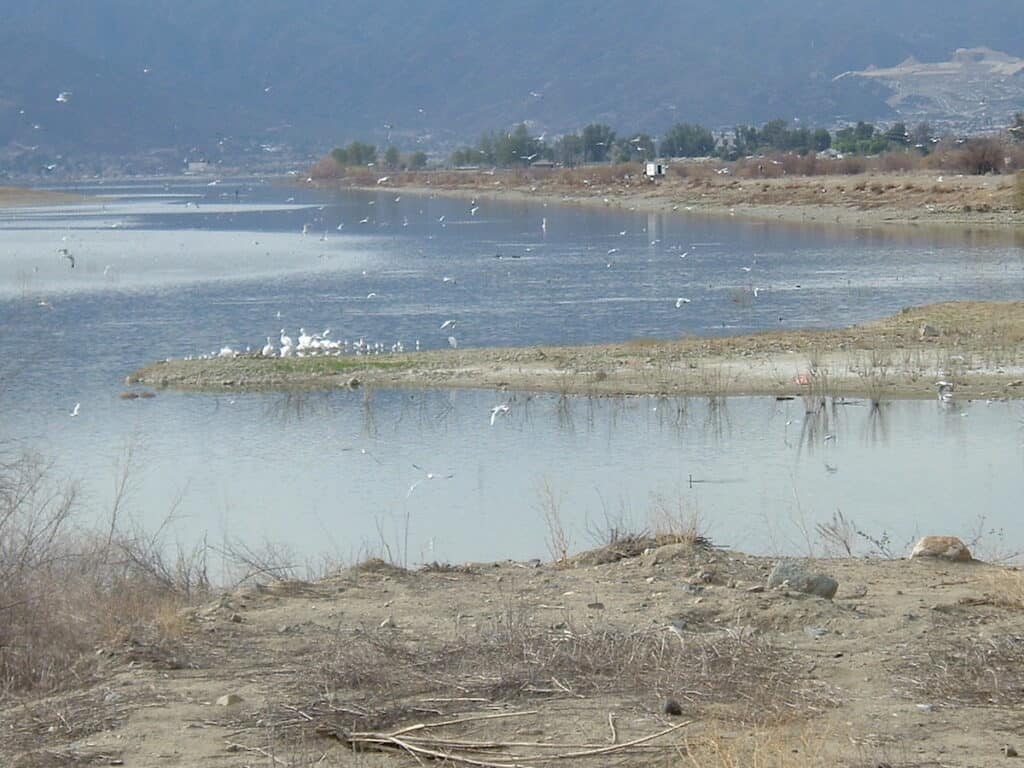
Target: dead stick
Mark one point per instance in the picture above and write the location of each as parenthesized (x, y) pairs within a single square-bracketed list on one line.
[(460, 720), (611, 725)]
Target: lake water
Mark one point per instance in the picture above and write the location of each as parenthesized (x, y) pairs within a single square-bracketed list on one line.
[(176, 269)]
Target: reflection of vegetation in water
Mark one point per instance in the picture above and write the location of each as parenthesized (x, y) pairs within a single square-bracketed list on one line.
[(876, 430)]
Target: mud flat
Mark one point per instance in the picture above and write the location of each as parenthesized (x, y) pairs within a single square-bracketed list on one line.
[(978, 346)]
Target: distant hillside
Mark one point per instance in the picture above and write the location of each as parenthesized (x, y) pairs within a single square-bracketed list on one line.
[(223, 78)]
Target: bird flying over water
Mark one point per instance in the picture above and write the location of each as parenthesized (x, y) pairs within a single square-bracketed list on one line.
[(501, 409)]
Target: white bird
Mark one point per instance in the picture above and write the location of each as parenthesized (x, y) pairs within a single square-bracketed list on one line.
[(447, 324), (76, 409), (64, 97), (371, 295), (447, 279), (305, 340), (453, 342), (945, 390), (473, 210), (383, 179), (440, 219), (612, 250), (501, 409), (427, 476), (268, 349), (365, 220), (544, 224), (684, 254), (680, 301), (746, 269)]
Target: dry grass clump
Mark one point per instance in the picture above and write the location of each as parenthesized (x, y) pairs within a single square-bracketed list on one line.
[(67, 592), (968, 669), (386, 672)]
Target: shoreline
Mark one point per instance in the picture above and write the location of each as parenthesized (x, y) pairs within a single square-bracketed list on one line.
[(913, 201), (978, 346)]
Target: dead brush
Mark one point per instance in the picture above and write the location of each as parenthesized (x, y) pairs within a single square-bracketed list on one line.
[(515, 659), (67, 592), (967, 670)]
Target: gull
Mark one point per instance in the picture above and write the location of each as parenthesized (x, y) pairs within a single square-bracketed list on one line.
[(501, 409), (44, 303), (447, 279), (612, 250), (746, 269), (64, 97), (398, 198), (365, 220), (371, 295), (453, 342), (441, 219), (383, 179), (447, 324), (76, 409), (680, 301), (829, 436), (473, 210), (426, 476), (684, 254)]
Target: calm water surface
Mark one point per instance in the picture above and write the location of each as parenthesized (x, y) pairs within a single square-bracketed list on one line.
[(173, 270)]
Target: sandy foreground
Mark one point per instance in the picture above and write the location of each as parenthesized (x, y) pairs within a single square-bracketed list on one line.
[(913, 663), (977, 346)]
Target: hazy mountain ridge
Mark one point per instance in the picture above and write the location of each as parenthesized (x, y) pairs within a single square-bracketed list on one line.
[(328, 72)]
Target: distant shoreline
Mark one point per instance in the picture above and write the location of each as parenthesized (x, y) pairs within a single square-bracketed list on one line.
[(912, 200)]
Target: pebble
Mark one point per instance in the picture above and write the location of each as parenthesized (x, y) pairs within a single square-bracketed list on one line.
[(229, 699), (672, 707), (1009, 751)]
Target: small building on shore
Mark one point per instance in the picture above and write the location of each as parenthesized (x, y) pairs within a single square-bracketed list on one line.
[(654, 169)]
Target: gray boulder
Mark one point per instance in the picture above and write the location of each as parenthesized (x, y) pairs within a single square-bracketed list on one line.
[(796, 577)]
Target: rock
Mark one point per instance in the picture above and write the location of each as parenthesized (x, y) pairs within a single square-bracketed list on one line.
[(672, 707), (354, 383), (799, 579), (666, 554), (1009, 751), (229, 700), (943, 548), (927, 331)]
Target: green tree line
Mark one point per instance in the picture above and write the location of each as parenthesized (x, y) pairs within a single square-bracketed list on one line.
[(597, 143)]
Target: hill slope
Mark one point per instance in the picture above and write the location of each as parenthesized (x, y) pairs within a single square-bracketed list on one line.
[(227, 76)]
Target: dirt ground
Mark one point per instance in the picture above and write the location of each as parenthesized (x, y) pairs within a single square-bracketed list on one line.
[(913, 663), (977, 346)]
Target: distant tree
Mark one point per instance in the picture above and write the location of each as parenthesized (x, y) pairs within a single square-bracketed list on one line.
[(821, 140), (861, 139), (568, 150), (898, 134), (391, 158), (1017, 127), (598, 142), (639, 147), (921, 137), (355, 153), (686, 140), (418, 160)]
